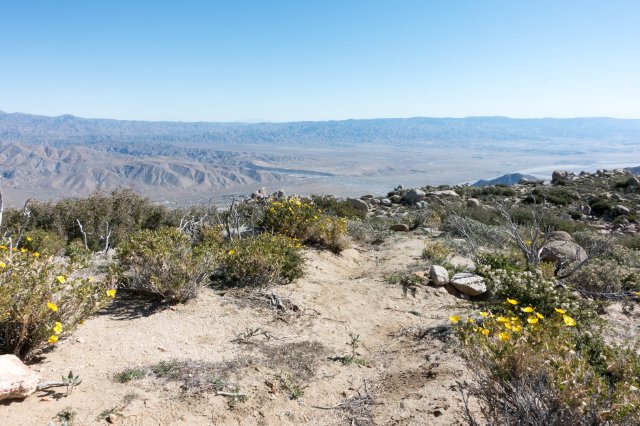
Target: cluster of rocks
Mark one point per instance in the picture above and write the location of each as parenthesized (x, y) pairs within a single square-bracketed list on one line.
[(464, 284)]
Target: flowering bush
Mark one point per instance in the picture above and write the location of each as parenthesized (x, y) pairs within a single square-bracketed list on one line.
[(260, 261), (299, 219), (41, 300), (43, 242), (533, 368), (164, 264)]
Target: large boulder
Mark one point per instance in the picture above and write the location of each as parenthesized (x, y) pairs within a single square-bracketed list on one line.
[(439, 275), (560, 252), (16, 379), (414, 195), (473, 203), (559, 176), (359, 204), (560, 236), (445, 192), (469, 284)]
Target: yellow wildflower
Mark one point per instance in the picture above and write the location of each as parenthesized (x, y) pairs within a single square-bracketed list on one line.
[(517, 328), (560, 311), (539, 315), (484, 314), (61, 279), (512, 301), (57, 328), (53, 339), (502, 319), (52, 306), (29, 239), (36, 254), (485, 331), (527, 309), (2, 264), (471, 320), (111, 293), (23, 250), (532, 320), (508, 326), (454, 319), (568, 320), (231, 252), (503, 336)]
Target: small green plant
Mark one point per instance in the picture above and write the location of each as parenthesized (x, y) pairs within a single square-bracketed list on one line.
[(130, 374), (353, 344), (71, 381), (408, 281), (436, 252), (261, 261), (66, 416)]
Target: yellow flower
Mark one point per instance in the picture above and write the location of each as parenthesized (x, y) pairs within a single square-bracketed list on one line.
[(3, 247), (485, 331), (36, 254), (111, 293), (539, 315), (527, 309), (2, 264), (512, 301), (53, 339), (517, 328), (471, 320), (508, 326), (57, 328), (502, 319), (515, 319), (532, 320), (454, 319), (52, 306), (560, 311), (568, 320), (484, 314), (61, 279), (23, 250), (29, 239), (503, 336), (231, 252)]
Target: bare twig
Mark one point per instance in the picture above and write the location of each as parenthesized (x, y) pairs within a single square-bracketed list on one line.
[(84, 234)]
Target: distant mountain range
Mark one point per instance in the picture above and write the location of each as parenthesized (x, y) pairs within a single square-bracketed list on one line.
[(50, 157), (508, 179), (27, 128)]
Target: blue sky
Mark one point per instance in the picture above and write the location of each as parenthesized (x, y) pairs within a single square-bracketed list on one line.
[(316, 60)]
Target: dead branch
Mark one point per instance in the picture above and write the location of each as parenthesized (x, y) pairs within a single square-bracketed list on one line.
[(84, 235)]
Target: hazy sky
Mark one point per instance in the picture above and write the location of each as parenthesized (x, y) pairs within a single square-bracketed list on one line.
[(315, 60)]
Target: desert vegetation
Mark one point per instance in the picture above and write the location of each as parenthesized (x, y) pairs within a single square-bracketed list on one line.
[(535, 305)]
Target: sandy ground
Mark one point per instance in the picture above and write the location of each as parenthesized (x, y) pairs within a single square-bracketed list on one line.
[(406, 380)]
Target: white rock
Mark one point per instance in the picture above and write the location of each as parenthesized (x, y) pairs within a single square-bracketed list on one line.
[(469, 284), (439, 275), (16, 379)]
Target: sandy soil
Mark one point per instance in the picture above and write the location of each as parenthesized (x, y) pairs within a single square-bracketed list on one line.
[(406, 380)]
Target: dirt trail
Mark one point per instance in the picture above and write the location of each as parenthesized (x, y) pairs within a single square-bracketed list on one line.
[(406, 381)]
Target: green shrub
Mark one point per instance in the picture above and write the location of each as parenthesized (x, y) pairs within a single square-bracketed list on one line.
[(600, 206), (335, 207), (164, 264), (372, 230), (557, 196), (304, 221), (602, 275), (261, 261), (511, 261), (43, 242), (630, 241), (436, 252), (41, 300), (547, 369)]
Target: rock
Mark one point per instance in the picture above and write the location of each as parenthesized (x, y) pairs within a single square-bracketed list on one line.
[(559, 176), (422, 205), (473, 203), (469, 284), (560, 236), (400, 227), (414, 195), (439, 275), (359, 204), (260, 194), (375, 201), (462, 262), (419, 274), (396, 199), (451, 289), (560, 252), (385, 202), (112, 419), (633, 182), (278, 195), (446, 192), (16, 379), (620, 209), (585, 209)]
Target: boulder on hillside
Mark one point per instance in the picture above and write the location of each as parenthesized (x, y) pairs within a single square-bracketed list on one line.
[(396, 199), (560, 252), (473, 203), (445, 192), (469, 284), (358, 204), (414, 195), (559, 176), (400, 227), (16, 379), (439, 275), (385, 202), (559, 236), (622, 210)]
